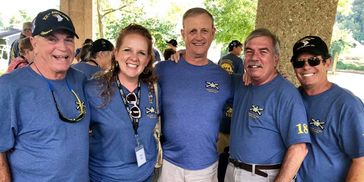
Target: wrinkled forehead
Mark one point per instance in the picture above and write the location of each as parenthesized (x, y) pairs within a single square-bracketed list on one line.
[(259, 43)]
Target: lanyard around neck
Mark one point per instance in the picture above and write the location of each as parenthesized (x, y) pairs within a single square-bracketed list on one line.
[(134, 121)]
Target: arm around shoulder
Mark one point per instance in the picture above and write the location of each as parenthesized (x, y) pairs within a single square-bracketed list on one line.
[(356, 171), (4, 169), (292, 161)]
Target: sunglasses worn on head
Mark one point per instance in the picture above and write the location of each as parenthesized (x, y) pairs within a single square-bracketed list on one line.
[(134, 111), (314, 61)]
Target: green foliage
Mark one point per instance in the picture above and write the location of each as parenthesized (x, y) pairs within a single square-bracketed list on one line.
[(337, 47), (339, 42), (234, 19), (358, 20), (21, 17), (343, 66), (352, 20), (161, 30)]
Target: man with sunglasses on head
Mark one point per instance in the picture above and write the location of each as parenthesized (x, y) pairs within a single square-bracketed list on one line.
[(43, 122), (268, 132), (335, 117)]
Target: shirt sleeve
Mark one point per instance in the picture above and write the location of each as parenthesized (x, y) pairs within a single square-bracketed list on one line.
[(351, 138), (293, 121), (8, 126)]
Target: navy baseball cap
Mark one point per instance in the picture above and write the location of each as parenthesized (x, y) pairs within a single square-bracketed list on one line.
[(234, 43), (173, 42), (51, 20), (102, 45), (310, 44)]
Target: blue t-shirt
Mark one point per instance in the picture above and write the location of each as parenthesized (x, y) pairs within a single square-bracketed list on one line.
[(336, 122), (267, 119), (87, 69), (112, 142), (40, 146), (193, 99)]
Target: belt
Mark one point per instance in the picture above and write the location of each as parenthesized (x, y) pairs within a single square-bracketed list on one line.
[(258, 168)]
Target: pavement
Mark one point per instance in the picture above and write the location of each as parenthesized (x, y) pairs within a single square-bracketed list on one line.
[(351, 81)]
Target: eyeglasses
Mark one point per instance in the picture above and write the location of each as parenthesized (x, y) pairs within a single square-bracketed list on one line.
[(314, 61), (134, 111), (80, 107)]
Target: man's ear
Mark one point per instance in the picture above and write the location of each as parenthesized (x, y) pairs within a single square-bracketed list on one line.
[(183, 34), (327, 63), (276, 60), (34, 42)]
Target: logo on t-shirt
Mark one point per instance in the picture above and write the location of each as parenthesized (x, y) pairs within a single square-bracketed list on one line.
[(255, 111), (227, 65), (212, 87), (316, 126), (151, 112)]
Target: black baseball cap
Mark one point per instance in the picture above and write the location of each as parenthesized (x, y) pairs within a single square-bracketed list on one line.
[(101, 45), (173, 42), (51, 20), (310, 44), (234, 43)]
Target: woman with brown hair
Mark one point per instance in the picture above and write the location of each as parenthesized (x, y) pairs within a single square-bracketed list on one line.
[(124, 112)]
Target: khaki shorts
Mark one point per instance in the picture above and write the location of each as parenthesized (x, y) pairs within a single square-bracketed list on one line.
[(173, 173)]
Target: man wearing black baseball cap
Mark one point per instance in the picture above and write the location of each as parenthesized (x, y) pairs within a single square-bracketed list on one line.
[(172, 44), (100, 58), (44, 125), (232, 63), (335, 118)]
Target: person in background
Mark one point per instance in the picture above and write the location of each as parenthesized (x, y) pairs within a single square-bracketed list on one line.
[(99, 59), (335, 117), (45, 121), (192, 105), (168, 53), (78, 50), (26, 32), (156, 54), (172, 44), (124, 112), (232, 62), (26, 55), (268, 132)]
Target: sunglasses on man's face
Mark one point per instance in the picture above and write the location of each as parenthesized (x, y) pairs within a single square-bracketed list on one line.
[(314, 61), (134, 111)]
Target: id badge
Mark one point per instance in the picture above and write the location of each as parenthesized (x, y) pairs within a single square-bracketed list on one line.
[(140, 155)]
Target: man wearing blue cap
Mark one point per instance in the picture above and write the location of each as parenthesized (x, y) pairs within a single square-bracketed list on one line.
[(44, 123), (335, 118)]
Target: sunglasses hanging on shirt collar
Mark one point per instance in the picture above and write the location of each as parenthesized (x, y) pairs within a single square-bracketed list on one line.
[(80, 105)]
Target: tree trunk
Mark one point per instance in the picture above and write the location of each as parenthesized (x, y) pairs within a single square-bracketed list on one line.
[(336, 57), (99, 20)]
